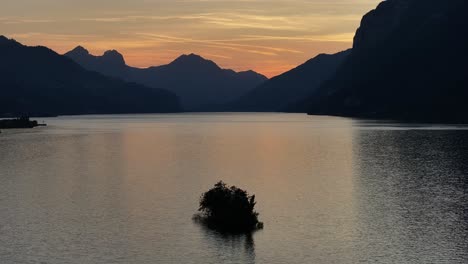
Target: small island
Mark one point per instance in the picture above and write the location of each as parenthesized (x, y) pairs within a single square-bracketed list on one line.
[(228, 209), (21, 122)]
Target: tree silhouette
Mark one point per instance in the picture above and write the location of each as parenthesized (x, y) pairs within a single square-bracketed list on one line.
[(229, 209)]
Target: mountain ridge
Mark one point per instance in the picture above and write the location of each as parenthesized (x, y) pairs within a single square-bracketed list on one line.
[(38, 81), (279, 92), (197, 81)]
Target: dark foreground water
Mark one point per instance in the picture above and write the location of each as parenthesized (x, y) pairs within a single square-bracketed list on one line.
[(123, 189)]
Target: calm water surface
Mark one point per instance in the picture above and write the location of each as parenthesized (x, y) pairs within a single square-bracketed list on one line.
[(123, 189)]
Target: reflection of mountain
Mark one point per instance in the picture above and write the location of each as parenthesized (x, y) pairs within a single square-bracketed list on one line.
[(412, 188), (408, 62), (37, 81), (197, 81), (295, 85)]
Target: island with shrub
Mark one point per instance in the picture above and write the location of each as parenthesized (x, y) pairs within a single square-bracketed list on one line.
[(228, 209)]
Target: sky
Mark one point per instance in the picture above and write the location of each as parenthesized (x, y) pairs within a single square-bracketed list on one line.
[(268, 36)]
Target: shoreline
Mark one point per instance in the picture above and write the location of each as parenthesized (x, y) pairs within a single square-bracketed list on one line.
[(22, 122)]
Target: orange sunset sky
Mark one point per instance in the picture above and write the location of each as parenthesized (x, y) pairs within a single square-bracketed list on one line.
[(268, 36)]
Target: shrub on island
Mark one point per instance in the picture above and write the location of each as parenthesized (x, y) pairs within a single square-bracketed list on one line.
[(229, 209)]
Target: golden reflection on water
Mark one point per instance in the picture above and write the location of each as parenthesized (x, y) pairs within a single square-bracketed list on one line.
[(287, 165), (123, 189)]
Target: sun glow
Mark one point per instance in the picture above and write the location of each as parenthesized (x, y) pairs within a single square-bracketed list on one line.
[(266, 36)]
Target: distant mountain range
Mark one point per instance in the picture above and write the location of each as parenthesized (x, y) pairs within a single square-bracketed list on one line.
[(200, 83), (409, 62), (288, 88), (37, 81)]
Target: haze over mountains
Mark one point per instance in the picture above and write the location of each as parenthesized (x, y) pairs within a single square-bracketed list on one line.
[(409, 61), (200, 83), (38, 81)]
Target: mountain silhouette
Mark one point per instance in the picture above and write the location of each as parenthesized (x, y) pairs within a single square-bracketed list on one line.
[(38, 81), (409, 61), (199, 83), (279, 92), (111, 63)]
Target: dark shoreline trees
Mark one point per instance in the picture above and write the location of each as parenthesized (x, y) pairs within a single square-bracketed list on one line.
[(22, 122)]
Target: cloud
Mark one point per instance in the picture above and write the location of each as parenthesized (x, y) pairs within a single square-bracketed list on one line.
[(221, 44), (14, 20)]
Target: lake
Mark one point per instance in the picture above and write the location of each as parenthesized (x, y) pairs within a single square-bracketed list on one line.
[(124, 188)]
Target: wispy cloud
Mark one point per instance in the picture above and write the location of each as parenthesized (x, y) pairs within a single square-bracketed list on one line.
[(221, 44), (13, 20)]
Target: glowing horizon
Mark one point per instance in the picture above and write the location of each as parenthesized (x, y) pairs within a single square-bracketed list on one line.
[(267, 36)]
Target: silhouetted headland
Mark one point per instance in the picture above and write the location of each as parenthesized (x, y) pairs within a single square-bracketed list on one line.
[(228, 209), (22, 122), (408, 62)]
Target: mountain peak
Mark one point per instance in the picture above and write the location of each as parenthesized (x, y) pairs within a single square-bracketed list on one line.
[(114, 57), (253, 74), (250, 72), (110, 56), (80, 51), (5, 40), (193, 55), (112, 53), (193, 60), (190, 57)]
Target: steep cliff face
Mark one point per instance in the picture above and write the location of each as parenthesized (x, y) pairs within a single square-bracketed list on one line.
[(408, 62), (379, 24)]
